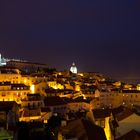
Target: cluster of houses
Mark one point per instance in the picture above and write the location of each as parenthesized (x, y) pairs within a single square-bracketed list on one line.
[(93, 105)]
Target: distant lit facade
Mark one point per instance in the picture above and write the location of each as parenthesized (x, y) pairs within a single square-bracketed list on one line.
[(2, 61), (73, 68)]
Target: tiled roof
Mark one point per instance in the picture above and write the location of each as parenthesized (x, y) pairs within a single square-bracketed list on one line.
[(83, 129), (121, 113), (7, 105), (31, 112), (118, 110), (101, 113), (54, 101), (130, 91), (131, 135), (19, 85), (94, 132), (45, 109)]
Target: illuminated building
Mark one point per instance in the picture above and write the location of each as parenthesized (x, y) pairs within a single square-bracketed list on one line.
[(32, 88), (10, 75), (131, 97), (80, 105), (25, 65), (138, 87), (2, 61), (31, 107), (13, 92), (73, 68), (55, 85), (102, 118), (56, 104)]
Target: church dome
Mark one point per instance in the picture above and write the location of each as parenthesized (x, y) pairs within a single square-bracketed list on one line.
[(73, 68)]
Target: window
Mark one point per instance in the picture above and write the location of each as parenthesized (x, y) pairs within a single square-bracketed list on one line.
[(3, 94), (33, 105), (38, 103)]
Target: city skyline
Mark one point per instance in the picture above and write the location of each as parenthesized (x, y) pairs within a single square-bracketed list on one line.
[(100, 36)]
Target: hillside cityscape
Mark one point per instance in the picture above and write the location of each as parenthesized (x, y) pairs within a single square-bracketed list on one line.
[(38, 102)]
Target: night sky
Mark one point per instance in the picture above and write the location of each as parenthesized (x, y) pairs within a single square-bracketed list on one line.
[(98, 35)]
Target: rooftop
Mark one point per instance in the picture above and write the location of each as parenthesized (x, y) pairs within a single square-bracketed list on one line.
[(131, 135), (54, 101), (101, 113), (7, 105), (83, 129)]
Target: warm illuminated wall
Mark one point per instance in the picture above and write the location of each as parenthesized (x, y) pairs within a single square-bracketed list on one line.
[(68, 86), (32, 88), (28, 119), (110, 99), (77, 88), (107, 129), (13, 95), (78, 106), (131, 98), (13, 78), (104, 123), (55, 85)]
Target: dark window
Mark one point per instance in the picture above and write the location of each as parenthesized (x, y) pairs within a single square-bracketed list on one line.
[(3, 94)]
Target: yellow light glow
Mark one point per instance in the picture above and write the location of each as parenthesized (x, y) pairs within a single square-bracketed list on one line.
[(45, 121), (77, 88), (81, 74), (25, 81), (32, 88), (138, 87), (107, 129), (84, 97), (55, 87)]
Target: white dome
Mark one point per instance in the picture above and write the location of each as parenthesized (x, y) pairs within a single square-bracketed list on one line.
[(73, 68)]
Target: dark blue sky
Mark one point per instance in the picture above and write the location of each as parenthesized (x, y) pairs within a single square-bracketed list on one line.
[(98, 35)]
